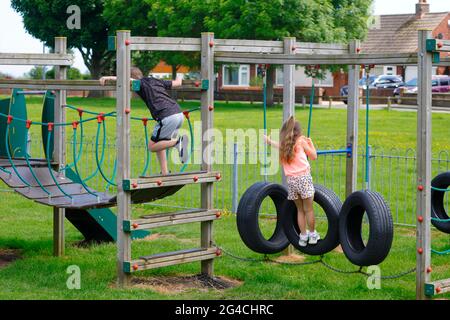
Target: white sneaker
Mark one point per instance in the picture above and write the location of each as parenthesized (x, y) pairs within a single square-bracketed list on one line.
[(303, 241), (314, 237), (182, 147)]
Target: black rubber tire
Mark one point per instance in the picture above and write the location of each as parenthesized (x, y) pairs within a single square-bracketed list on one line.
[(248, 213), (441, 181), (331, 204), (381, 228)]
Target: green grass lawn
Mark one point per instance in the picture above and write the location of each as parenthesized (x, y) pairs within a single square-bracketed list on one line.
[(28, 227)]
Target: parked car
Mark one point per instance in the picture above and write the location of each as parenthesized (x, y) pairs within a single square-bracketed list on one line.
[(376, 82), (440, 84)]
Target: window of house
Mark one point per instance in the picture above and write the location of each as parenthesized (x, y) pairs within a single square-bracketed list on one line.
[(279, 77), (236, 75)]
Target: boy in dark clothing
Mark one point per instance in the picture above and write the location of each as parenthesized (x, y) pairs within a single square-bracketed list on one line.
[(166, 112)]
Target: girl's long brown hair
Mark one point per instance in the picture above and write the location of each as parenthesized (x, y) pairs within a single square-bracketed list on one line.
[(290, 132)]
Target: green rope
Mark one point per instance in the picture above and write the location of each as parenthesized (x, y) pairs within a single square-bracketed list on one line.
[(439, 189), (311, 100), (367, 129), (114, 174), (147, 153), (442, 253), (50, 167), (80, 149), (10, 159), (191, 131), (27, 159), (74, 151), (97, 170), (103, 147)]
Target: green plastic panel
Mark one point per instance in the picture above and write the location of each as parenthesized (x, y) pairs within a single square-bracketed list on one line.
[(48, 115), (205, 84), (17, 130), (4, 108), (112, 43), (431, 45)]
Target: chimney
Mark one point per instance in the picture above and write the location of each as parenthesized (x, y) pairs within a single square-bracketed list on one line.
[(422, 8)]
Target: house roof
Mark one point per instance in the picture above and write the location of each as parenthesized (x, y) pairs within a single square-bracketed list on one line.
[(399, 32)]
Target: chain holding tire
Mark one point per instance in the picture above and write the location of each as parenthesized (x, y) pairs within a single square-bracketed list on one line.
[(321, 261)]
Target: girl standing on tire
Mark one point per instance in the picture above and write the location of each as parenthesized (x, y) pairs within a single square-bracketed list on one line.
[(294, 151)]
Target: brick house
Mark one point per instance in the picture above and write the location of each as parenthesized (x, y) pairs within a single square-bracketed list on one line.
[(398, 34)]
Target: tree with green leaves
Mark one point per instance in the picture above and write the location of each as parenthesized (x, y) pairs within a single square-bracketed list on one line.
[(37, 73), (46, 19)]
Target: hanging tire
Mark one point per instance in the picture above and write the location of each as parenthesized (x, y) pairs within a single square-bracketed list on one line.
[(331, 205), (248, 214), (442, 181), (381, 228)]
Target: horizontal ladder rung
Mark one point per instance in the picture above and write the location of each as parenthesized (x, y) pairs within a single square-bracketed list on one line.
[(171, 180), (170, 219), (437, 287), (170, 259)]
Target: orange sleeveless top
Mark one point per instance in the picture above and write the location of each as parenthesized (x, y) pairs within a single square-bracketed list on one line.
[(299, 165)]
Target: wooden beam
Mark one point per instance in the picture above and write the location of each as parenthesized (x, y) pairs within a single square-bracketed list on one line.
[(57, 84), (164, 44), (445, 62), (320, 48), (207, 113), (123, 153), (319, 59), (36, 59), (173, 180), (424, 102), (170, 219), (59, 148), (352, 123), (170, 259), (437, 287)]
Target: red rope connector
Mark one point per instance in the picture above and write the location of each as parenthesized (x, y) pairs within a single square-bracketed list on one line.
[(211, 44), (159, 183), (75, 125), (50, 126), (218, 252), (135, 267), (135, 226), (127, 111), (28, 124), (10, 119), (358, 50), (101, 117), (438, 290), (144, 121), (80, 112), (218, 214), (294, 48), (218, 176), (420, 250), (420, 219), (195, 179), (317, 66), (429, 270), (211, 108), (127, 42), (420, 187), (186, 114), (197, 84), (440, 45), (134, 185), (371, 66)]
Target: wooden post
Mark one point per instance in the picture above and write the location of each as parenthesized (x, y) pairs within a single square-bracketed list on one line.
[(352, 122), (59, 147), (288, 100), (423, 252), (207, 105), (123, 153)]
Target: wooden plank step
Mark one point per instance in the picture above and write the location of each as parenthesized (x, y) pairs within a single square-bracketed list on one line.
[(171, 258), (437, 287), (171, 180), (170, 219)]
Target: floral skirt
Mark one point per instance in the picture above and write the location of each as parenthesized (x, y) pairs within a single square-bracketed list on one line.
[(300, 186)]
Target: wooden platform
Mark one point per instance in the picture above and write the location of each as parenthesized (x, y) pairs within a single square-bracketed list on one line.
[(170, 258)]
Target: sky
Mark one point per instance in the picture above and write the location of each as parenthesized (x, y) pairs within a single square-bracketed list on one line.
[(13, 37)]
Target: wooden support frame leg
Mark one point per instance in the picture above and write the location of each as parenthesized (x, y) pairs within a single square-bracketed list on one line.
[(58, 232)]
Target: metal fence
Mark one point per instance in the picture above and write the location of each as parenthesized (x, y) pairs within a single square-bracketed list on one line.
[(392, 173)]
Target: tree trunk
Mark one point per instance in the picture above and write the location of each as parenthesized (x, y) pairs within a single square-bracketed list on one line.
[(174, 71), (96, 70), (270, 85)]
